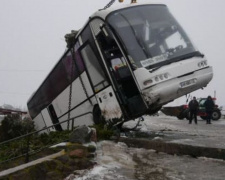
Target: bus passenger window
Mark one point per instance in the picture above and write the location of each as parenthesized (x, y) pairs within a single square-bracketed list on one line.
[(94, 69), (120, 68), (116, 63)]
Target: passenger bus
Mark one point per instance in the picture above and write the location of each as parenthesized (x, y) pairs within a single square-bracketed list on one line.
[(125, 62)]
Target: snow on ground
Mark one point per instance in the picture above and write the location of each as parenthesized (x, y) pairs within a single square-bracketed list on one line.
[(115, 161), (179, 131)]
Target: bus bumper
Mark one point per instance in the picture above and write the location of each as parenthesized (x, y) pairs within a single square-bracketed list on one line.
[(172, 89)]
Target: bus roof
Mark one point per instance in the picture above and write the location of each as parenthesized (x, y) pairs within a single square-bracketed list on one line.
[(104, 12)]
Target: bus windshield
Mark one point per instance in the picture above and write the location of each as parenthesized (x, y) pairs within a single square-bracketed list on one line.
[(151, 35)]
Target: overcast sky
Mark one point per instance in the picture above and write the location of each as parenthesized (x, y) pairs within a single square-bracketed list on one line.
[(32, 40)]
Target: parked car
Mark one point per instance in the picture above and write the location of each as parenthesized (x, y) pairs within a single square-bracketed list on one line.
[(182, 111)]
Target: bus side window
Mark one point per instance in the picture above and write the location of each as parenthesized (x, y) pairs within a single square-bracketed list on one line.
[(108, 46), (117, 63), (120, 68), (92, 61), (94, 69)]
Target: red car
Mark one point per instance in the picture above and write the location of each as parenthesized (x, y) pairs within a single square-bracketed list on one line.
[(184, 113)]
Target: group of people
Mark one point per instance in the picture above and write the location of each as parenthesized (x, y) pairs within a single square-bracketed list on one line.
[(194, 107)]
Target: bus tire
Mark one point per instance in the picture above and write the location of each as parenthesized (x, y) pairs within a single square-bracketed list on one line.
[(97, 115), (216, 115)]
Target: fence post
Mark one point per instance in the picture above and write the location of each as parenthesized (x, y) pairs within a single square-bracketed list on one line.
[(27, 149), (73, 123)]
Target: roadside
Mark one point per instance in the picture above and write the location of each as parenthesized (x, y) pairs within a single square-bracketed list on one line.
[(144, 158), (170, 129), (118, 161)]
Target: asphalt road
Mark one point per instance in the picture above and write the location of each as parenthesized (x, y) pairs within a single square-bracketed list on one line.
[(180, 131)]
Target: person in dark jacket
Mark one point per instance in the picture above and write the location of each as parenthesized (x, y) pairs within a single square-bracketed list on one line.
[(209, 106), (193, 107)]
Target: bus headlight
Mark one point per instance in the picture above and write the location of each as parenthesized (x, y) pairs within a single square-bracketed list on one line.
[(202, 64), (156, 79), (148, 82), (161, 77), (166, 75)]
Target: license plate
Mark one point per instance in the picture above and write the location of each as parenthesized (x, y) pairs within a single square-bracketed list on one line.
[(188, 83)]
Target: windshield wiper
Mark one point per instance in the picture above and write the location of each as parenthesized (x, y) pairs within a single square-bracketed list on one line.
[(189, 55), (154, 69)]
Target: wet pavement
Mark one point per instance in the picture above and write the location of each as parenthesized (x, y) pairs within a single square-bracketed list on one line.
[(171, 129)]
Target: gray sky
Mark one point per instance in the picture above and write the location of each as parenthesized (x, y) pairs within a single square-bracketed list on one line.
[(32, 40)]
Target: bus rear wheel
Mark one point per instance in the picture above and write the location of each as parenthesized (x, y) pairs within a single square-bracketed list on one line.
[(97, 115)]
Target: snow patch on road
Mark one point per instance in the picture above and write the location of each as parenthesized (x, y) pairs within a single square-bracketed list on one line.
[(113, 162)]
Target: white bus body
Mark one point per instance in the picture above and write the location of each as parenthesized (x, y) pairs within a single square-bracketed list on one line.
[(127, 61)]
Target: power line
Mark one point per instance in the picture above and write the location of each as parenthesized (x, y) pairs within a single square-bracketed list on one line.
[(21, 70), (15, 93)]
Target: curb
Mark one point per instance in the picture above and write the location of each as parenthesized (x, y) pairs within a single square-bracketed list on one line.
[(175, 149)]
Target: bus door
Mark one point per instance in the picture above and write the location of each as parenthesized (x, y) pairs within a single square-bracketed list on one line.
[(121, 74)]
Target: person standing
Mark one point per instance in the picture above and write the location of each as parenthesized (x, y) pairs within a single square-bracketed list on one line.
[(193, 107), (209, 106)]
